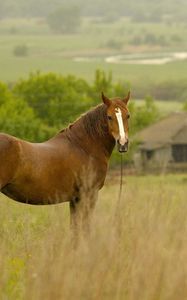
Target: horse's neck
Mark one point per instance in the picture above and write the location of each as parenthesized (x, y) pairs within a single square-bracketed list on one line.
[(97, 141)]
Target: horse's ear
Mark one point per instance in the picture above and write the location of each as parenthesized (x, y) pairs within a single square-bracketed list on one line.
[(126, 99), (105, 99)]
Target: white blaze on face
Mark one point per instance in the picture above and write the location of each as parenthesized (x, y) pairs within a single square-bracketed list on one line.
[(122, 134)]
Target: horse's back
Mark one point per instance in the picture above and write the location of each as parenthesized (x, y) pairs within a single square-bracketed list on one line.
[(46, 172)]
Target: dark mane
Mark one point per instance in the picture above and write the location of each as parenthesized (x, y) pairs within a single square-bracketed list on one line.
[(95, 121), (91, 128)]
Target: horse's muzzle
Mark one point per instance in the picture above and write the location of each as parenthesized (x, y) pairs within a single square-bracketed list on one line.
[(122, 148)]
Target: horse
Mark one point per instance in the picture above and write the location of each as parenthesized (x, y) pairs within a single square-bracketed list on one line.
[(72, 163)]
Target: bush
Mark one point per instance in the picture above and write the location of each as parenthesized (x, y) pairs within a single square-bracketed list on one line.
[(18, 119), (4, 93), (57, 100), (65, 19), (136, 40), (103, 82), (21, 50), (185, 106), (114, 44), (150, 39), (144, 115)]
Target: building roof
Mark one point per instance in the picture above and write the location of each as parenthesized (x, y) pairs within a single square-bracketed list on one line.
[(170, 130)]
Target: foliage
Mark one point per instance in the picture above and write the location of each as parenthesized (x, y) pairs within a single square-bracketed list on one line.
[(185, 106), (65, 19), (143, 115), (18, 119), (57, 100), (4, 93), (21, 50), (103, 82)]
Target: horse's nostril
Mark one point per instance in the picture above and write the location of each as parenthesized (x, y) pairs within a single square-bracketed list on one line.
[(122, 148)]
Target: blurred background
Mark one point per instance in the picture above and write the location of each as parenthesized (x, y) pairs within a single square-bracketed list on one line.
[(57, 57)]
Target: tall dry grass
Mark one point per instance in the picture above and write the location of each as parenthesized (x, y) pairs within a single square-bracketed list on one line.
[(140, 255)]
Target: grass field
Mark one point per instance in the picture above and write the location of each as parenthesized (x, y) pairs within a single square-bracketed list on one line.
[(51, 52), (140, 256)]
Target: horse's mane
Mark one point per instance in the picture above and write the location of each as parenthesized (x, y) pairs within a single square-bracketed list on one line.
[(94, 122)]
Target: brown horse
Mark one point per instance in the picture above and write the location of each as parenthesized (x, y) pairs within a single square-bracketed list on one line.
[(57, 170)]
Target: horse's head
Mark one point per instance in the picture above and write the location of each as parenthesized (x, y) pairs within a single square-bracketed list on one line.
[(118, 115)]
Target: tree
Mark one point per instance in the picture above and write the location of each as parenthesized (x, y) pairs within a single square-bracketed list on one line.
[(18, 119), (57, 100), (4, 93), (103, 82), (143, 115), (66, 19)]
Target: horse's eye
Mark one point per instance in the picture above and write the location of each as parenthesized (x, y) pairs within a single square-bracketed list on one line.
[(109, 118), (128, 116)]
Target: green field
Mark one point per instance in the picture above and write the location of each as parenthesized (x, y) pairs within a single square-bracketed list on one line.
[(140, 256), (51, 52)]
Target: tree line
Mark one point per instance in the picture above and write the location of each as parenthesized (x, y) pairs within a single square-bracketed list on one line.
[(143, 10), (39, 106)]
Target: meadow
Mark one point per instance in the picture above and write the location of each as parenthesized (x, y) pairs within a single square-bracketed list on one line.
[(138, 253), (48, 51)]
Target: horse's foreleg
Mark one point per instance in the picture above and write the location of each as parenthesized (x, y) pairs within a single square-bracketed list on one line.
[(75, 220), (87, 213), (81, 212)]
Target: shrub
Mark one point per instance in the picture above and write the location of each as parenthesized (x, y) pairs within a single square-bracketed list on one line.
[(114, 44), (4, 93), (136, 40), (144, 115), (18, 119), (185, 106), (57, 100), (21, 50), (65, 19)]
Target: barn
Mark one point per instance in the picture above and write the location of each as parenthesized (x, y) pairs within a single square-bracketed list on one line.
[(163, 145)]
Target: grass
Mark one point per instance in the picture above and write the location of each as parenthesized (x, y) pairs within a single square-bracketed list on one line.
[(141, 257), (50, 52)]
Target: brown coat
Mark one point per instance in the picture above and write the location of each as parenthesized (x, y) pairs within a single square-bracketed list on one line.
[(50, 172)]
